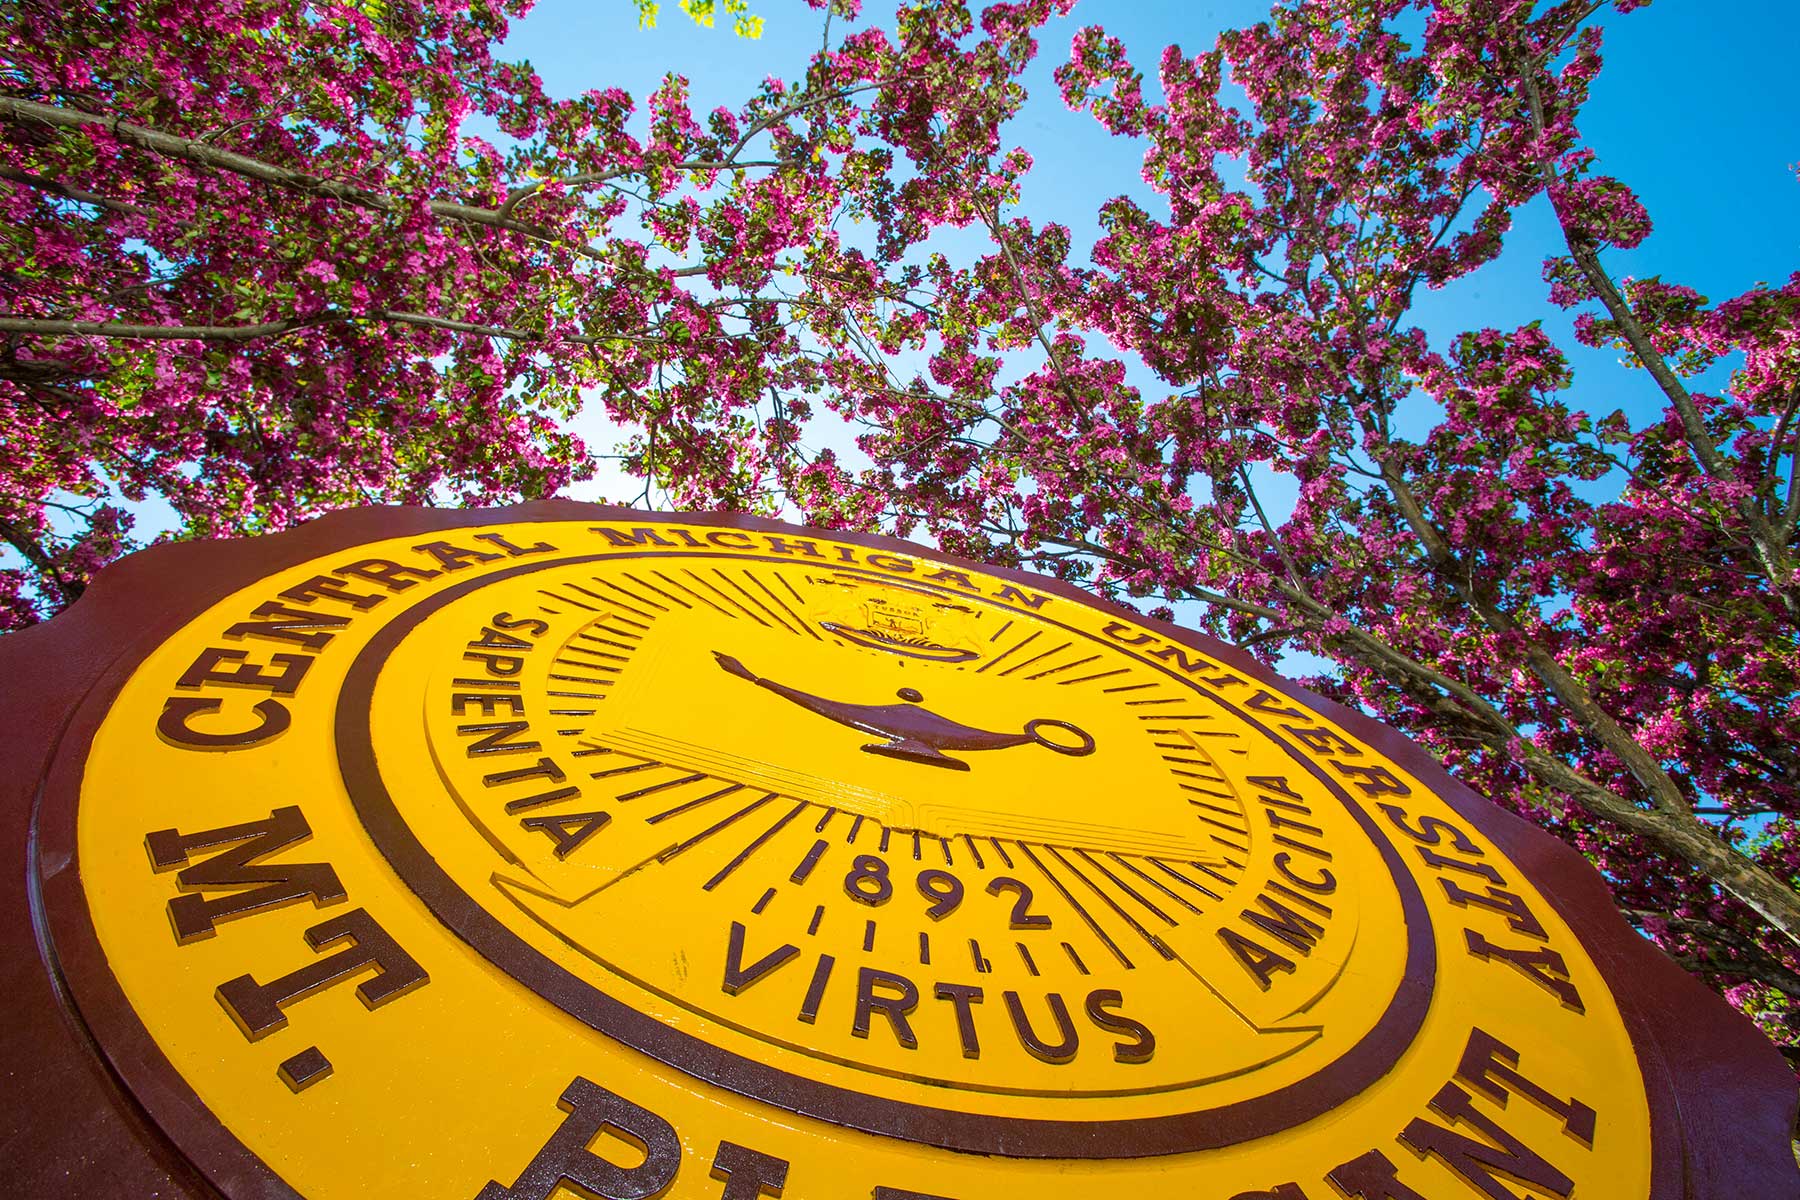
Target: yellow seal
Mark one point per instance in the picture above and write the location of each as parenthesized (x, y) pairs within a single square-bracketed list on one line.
[(643, 857)]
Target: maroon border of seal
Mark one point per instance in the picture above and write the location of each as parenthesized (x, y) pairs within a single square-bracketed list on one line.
[(90, 1105)]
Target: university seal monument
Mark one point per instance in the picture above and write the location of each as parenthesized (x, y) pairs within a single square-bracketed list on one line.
[(566, 851)]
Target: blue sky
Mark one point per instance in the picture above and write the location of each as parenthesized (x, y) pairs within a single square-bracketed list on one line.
[(1693, 111)]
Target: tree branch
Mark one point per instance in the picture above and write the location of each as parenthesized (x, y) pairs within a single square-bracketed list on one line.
[(249, 333), (56, 188), (197, 333), (34, 553), (1771, 548), (197, 152)]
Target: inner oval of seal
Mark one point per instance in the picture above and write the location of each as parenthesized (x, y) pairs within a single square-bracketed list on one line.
[(917, 857)]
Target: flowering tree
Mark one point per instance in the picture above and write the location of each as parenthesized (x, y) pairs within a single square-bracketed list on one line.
[(267, 270), (259, 267), (1594, 622)]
